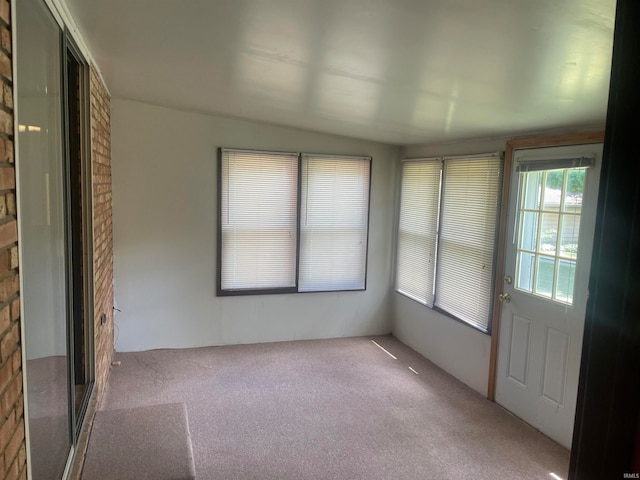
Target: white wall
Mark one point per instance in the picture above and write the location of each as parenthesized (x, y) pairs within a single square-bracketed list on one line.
[(164, 214), (453, 346)]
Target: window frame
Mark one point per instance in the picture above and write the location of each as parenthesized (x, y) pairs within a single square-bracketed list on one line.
[(295, 289), (532, 164), (434, 161), (439, 223)]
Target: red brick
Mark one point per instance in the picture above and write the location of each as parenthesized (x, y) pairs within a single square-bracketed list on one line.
[(7, 178), (6, 430), (14, 444), (8, 232), (19, 407), (14, 258), (6, 372), (5, 13), (15, 309), (103, 249), (12, 395), (9, 342), (8, 150), (16, 361), (22, 455), (5, 318), (8, 96), (11, 203), (5, 38), (5, 260), (6, 119), (9, 287), (5, 67), (13, 473)]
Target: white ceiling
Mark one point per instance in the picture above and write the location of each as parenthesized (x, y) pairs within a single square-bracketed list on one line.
[(395, 71)]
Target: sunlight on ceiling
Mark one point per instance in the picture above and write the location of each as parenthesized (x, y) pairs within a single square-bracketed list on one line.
[(394, 71)]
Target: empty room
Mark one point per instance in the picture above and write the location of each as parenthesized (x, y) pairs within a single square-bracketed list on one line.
[(319, 239)]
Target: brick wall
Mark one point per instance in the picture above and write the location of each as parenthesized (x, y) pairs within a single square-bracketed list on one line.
[(12, 443), (102, 227), (102, 256)]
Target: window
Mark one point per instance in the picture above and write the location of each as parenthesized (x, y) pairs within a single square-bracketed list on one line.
[(447, 233), (333, 223), (549, 211), (417, 233), (292, 222), (258, 210)]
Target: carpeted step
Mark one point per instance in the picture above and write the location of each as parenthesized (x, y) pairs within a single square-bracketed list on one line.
[(140, 443)]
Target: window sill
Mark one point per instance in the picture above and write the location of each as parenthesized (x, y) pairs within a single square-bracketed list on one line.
[(446, 314)]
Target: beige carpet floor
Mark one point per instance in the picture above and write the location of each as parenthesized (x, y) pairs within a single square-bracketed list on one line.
[(138, 443), (332, 409)]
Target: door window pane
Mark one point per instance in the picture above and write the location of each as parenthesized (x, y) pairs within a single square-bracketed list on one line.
[(569, 236), (532, 191), (544, 277), (573, 190), (565, 277), (548, 234), (529, 229), (525, 270), (553, 180), (547, 243)]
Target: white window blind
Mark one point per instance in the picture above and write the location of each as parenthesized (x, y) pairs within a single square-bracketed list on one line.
[(334, 213), (470, 201), (258, 208), (417, 233)]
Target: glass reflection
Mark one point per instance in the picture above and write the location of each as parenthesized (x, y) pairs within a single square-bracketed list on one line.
[(43, 240)]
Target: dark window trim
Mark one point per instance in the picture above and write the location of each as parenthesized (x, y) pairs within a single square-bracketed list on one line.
[(366, 253), (238, 292), (284, 290), (219, 291)]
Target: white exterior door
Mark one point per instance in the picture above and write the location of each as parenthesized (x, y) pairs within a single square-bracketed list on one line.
[(547, 258)]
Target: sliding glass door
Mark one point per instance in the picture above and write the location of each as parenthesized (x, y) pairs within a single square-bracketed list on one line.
[(43, 238), (54, 188)]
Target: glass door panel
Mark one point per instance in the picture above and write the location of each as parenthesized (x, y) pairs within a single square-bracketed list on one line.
[(547, 246), (43, 238)]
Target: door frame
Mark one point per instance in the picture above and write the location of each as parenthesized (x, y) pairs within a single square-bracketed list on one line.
[(84, 285), (512, 146)]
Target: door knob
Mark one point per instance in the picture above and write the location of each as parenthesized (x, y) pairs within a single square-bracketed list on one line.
[(508, 280), (504, 297)]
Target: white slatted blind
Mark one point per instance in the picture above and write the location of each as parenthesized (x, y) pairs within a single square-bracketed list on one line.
[(334, 212), (470, 197), (417, 231), (259, 192)]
